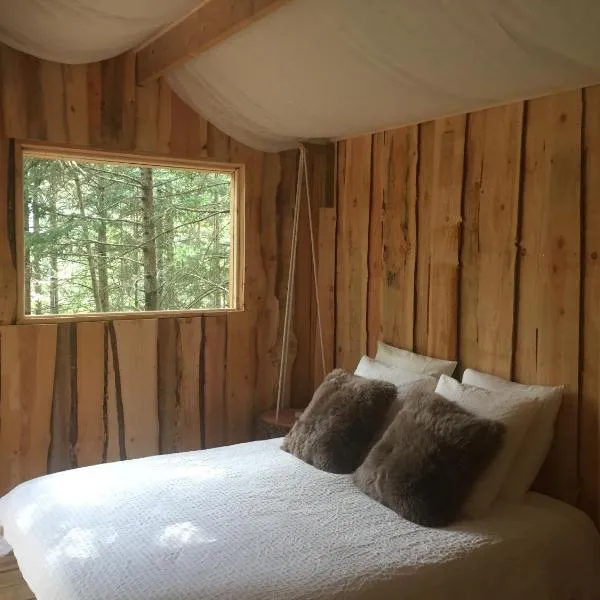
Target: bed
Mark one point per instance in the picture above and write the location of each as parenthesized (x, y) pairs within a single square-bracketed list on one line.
[(252, 522)]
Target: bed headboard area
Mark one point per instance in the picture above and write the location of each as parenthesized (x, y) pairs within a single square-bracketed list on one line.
[(476, 237)]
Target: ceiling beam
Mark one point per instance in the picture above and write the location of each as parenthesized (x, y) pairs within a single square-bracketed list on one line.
[(212, 22)]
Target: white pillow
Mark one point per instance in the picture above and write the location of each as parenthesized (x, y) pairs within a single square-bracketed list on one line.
[(417, 363), (370, 368), (516, 414), (538, 438), (407, 382)]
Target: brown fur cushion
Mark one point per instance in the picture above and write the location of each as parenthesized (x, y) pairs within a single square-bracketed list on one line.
[(340, 424), (429, 458)]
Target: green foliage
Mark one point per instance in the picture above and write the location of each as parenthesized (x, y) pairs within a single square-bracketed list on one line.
[(107, 237)]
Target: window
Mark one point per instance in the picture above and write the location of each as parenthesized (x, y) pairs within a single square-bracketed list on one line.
[(109, 234)]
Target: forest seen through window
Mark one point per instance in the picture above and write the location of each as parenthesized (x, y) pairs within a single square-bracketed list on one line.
[(108, 237)]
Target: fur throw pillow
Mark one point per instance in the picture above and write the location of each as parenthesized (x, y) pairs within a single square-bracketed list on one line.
[(340, 424), (429, 458)]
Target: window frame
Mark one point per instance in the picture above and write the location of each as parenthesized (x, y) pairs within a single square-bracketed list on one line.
[(237, 246)]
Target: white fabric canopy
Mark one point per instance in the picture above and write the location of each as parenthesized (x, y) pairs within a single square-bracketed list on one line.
[(81, 31), (337, 68)]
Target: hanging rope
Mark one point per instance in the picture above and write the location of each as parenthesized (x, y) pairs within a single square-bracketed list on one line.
[(302, 178)]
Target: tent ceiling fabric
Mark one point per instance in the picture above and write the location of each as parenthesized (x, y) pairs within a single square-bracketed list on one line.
[(82, 31), (336, 68)]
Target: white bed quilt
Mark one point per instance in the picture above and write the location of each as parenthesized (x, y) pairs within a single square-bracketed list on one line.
[(251, 522)]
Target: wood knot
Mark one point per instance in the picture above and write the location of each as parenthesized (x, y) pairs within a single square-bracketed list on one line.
[(563, 117), (594, 255), (560, 242)]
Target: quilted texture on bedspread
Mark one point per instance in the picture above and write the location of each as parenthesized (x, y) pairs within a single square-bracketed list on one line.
[(252, 522)]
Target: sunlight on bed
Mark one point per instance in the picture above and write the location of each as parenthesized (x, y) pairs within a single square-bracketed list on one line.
[(180, 534), (80, 543)]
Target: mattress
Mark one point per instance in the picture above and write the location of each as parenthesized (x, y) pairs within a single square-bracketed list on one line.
[(250, 522)]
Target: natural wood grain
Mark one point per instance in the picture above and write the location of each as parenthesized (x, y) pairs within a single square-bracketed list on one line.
[(326, 290), (215, 370), (375, 283), (136, 347), (112, 410), (98, 107), (277, 197), (27, 356), (242, 327), (8, 270), (488, 253), (212, 22), (354, 189), (76, 107), (51, 75), (190, 416), (449, 148), (89, 446), (395, 182), (589, 416), (423, 263), (12, 584), (167, 384), (547, 342), (63, 421)]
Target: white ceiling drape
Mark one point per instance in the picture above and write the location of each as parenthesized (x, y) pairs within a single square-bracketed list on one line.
[(81, 31), (336, 68)]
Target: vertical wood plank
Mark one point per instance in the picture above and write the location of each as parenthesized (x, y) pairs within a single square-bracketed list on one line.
[(89, 449), (326, 291), (27, 357), (137, 360), (118, 117), (14, 94), (53, 93), (63, 420), (303, 323), (446, 198), (242, 328), (215, 373), (488, 253), (95, 103), (547, 344), (153, 118), (278, 178), (395, 182), (190, 384), (589, 418), (112, 410), (8, 266), (354, 193), (423, 263), (167, 385), (76, 89)]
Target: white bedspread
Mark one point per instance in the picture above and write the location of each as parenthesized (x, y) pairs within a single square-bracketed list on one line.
[(250, 522)]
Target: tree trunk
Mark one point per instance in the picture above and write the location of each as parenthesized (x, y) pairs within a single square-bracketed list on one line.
[(215, 267), (53, 257), (88, 246), (35, 259), (26, 216), (149, 241), (103, 296)]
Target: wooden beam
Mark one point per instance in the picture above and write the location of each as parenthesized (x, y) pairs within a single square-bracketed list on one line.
[(212, 22)]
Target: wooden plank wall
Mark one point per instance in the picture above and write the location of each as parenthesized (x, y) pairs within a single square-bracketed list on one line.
[(476, 237), (84, 393)]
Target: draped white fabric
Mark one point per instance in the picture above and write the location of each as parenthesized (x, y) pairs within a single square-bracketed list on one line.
[(337, 68), (81, 31)]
